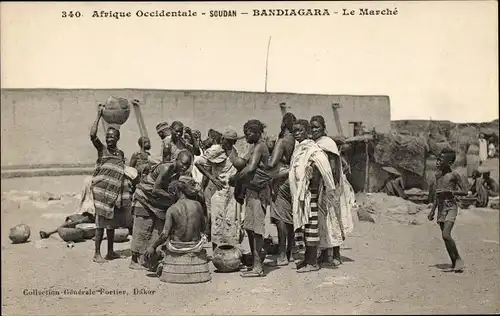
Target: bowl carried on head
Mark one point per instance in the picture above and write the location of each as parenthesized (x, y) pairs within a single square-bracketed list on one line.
[(116, 111)]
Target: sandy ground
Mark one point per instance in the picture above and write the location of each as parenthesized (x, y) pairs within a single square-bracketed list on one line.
[(390, 267)]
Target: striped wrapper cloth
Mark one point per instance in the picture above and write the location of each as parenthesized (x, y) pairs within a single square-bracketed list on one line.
[(107, 185)]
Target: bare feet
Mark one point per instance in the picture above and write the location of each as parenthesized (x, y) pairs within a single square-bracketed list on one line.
[(308, 268), (278, 263), (98, 259), (450, 269), (136, 266), (281, 262), (253, 274), (112, 255), (299, 264), (329, 263), (159, 270), (459, 267)]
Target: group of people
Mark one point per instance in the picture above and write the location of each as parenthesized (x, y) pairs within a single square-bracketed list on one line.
[(486, 149), (198, 191)]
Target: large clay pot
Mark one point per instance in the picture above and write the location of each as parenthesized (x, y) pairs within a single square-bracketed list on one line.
[(70, 234), (227, 258), (19, 233), (116, 111)]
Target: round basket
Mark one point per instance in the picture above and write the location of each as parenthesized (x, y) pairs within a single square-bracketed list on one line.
[(70, 234), (465, 202), (116, 111), (88, 230)]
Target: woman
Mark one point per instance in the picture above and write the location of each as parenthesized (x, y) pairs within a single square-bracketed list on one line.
[(216, 164), (281, 206), (334, 221), (257, 194), (310, 171), (109, 188)]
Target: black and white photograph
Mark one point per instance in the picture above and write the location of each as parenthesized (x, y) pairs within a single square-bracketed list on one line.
[(250, 158)]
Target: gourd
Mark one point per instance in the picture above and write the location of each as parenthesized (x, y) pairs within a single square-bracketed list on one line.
[(19, 233)]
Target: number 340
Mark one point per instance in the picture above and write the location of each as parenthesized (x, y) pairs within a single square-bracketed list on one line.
[(70, 14)]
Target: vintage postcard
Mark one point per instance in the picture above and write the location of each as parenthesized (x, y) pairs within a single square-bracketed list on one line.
[(249, 158)]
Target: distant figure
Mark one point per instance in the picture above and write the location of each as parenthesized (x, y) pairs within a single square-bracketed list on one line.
[(394, 186), (449, 184), (164, 132), (483, 149), (479, 190), (140, 159), (491, 150), (483, 187)]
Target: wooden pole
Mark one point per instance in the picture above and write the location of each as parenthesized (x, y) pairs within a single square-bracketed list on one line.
[(335, 107), (140, 119), (267, 62), (367, 168)]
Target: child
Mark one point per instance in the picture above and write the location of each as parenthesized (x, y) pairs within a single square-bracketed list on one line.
[(448, 183), (139, 159)]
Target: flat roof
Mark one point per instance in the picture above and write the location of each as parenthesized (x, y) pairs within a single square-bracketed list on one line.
[(195, 91)]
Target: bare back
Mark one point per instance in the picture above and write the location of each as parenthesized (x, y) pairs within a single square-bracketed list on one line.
[(186, 220)]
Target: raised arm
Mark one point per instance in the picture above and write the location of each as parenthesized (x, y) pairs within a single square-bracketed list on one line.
[(93, 130)]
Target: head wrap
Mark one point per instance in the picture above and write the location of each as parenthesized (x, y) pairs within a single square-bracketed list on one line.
[(161, 126), (230, 134)]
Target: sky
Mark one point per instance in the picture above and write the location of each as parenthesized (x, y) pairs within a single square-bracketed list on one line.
[(435, 60)]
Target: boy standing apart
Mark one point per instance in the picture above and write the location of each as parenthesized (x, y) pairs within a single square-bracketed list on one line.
[(449, 184)]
